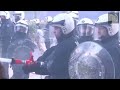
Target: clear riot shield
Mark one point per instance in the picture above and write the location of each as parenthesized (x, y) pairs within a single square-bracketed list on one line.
[(89, 60)]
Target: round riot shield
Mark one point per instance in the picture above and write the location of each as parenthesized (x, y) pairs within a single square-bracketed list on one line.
[(20, 49), (22, 53), (89, 60)]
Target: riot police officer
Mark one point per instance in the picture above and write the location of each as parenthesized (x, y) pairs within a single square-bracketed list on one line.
[(21, 29), (20, 35), (6, 31), (54, 61), (85, 28), (19, 15), (106, 34)]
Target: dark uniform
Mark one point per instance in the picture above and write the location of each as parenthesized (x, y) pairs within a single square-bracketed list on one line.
[(85, 38), (6, 31), (55, 60), (111, 44), (19, 36)]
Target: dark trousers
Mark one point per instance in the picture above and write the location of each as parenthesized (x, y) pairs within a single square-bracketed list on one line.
[(18, 72), (5, 44)]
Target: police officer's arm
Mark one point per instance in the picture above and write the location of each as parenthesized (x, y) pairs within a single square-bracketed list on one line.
[(42, 68), (46, 54), (37, 66)]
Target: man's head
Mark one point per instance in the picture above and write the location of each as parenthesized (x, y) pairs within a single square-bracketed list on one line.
[(105, 27), (21, 26), (48, 19), (102, 32), (58, 32), (4, 15), (19, 15), (63, 25), (85, 27)]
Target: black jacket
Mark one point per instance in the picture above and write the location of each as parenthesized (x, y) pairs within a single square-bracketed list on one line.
[(112, 46), (85, 38), (19, 36), (56, 59), (7, 29)]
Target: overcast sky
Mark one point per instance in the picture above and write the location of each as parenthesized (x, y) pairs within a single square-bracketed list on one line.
[(82, 14), (43, 14)]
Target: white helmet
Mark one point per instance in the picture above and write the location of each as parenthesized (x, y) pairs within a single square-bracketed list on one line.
[(67, 25), (20, 13), (85, 27), (85, 21), (8, 15), (5, 13), (23, 24), (113, 28), (66, 12), (36, 21), (74, 14), (33, 20), (49, 18)]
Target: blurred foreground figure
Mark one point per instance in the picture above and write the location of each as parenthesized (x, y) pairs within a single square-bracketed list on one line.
[(2, 72), (6, 31)]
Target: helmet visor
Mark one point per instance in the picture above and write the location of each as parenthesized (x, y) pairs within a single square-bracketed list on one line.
[(85, 29), (21, 28)]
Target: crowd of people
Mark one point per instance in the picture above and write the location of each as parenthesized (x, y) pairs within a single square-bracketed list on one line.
[(56, 38)]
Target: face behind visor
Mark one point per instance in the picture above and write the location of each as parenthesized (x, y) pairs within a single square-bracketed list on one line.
[(17, 18), (2, 18), (85, 29), (21, 28), (107, 25), (101, 31)]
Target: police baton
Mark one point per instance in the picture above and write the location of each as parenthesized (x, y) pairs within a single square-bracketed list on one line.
[(18, 61)]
